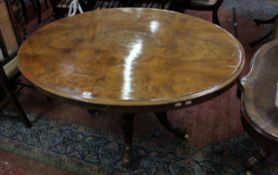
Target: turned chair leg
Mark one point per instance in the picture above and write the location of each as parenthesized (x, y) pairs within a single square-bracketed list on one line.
[(215, 18)]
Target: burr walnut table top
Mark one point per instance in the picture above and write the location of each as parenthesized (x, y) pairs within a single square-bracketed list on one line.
[(131, 58)]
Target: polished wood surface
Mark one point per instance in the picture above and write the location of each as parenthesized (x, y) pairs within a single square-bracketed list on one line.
[(131, 57), (259, 88)]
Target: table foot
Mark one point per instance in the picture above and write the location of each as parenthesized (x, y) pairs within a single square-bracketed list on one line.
[(127, 157), (253, 160), (163, 119), (127, 127)]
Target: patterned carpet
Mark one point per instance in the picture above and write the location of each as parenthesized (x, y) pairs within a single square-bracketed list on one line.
[(261, 9), (89, 151)]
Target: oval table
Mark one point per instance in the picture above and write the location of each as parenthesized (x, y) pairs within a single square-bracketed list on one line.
[(132, 60)]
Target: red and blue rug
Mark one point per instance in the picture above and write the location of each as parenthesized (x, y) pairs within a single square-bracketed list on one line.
[(90, 151)]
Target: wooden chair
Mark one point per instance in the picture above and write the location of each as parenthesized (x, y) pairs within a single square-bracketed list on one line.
[(259, 113), (37, 8), (207, 5), (159, 4), (204, 5), (79, 6), (61, 7), (11, 20)]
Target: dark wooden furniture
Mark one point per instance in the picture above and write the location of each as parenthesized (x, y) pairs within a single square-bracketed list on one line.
[(207, 5), (259, 113), (159, 4), (10, 39), (268, 35), (37, 8), (132, 60), (204, 5), (102, 4), (60, 7)]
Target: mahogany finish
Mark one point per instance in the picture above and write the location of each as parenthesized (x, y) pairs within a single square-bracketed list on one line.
[(131, 59), (259, 88), (259, 113)]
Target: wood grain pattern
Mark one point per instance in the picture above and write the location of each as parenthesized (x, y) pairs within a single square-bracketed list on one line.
[(131, 57), (260, 87)]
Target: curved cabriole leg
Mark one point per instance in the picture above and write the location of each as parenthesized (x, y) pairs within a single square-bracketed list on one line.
[(127, 127), (253, 160), (163, 118)]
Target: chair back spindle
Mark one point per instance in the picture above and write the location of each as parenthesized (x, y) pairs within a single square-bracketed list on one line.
[(9, 38)]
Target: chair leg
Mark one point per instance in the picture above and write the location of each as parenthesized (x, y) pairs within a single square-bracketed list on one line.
[(46, 4), (215, 19), (38, 6), (235, 23), (178, 6), (34, 5), (20, 111), (5, 84), (24, 9)]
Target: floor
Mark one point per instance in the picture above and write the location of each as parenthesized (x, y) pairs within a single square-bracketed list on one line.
[(206, 123)]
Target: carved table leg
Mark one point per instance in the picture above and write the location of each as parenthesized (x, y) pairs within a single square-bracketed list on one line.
[(257, 157), (162, 117), (127, 126)]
